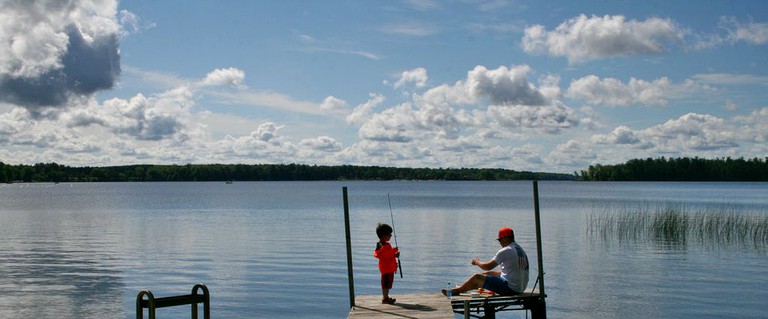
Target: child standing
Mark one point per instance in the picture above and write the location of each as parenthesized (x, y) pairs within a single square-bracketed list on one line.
[(387, 261)]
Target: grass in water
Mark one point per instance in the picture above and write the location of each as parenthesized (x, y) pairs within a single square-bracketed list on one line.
[(674, 225)]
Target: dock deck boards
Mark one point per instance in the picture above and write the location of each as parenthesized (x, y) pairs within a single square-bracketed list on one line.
[(426, 306), (435, 305)]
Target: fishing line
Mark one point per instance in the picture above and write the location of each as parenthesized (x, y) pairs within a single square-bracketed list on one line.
[(394, 233)]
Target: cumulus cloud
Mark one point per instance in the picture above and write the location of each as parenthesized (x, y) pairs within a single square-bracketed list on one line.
[(755, 126), (333, 103), (224, 77), (395, 124), (489, 103), (322, 143), (691, 132), (587, 38), (547, 119), (572, 153), (504, 86), (144, 118), (417, 76), (610, 91), (613, 92), (54, 50), (361, 112), (515, 102)]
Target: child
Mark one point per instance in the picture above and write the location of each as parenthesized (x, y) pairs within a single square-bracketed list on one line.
[(387, 262)]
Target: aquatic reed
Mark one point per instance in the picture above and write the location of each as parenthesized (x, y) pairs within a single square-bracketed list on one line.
[(675, 225)]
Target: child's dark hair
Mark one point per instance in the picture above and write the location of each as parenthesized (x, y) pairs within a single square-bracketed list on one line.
[(383, 230)]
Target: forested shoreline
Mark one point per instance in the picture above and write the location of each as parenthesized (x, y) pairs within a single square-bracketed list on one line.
[(649, 169), (681, 169), (52, 172)]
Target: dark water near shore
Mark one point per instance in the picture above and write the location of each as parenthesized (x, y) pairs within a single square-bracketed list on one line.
[(277, 249)]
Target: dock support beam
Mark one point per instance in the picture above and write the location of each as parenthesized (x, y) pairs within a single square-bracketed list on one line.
[(349, 250), (538, 309)]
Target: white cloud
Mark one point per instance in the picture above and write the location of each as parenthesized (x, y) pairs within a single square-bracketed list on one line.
[(610, 91), (730, 78), (572, 153), (271, 100), (613, 92), (504, 86), (322, 143), (621, 135), (417, 76), (489, 102), (361, 112), (549, 119), (754, 127), (753, 33), (588, 38), (131, 23), (224, 77), (395, 124), (53, 50), (692, 132), (333, 103)]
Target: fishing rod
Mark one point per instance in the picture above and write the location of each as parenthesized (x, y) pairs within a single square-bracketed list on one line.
[(394, 233)]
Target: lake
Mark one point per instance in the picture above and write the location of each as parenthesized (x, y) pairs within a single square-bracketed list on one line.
[(277, 249)]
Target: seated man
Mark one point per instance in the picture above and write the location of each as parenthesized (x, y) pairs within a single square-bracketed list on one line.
[(512, 278)]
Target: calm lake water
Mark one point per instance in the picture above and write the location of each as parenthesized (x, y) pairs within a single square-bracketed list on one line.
[(277, 249)]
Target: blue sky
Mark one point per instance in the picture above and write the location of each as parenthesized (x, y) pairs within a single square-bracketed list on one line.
[(523, 85)]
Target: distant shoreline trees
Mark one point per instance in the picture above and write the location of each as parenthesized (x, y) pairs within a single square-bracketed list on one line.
[(681, 169), (52, 172), (649, 169)]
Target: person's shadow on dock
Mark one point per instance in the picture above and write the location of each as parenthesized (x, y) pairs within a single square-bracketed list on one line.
[(397, 314), (414, 307)]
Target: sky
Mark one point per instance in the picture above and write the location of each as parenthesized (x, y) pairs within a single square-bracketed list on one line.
[(550, 86)]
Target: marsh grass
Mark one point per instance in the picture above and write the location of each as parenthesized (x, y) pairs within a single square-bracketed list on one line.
[(676, 226)]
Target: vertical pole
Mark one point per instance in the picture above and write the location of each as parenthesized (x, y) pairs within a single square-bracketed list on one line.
[(540, 307), (349, 250)]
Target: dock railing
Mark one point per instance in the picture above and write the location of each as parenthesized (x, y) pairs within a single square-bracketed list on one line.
[(151, 303)]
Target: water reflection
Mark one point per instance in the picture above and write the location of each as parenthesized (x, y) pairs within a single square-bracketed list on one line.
[(68, 282)]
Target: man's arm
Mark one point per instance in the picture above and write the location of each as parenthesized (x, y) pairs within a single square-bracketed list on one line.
[(484, 265)]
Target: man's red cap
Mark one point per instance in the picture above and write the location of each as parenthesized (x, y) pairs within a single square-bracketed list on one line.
[(505, 232)]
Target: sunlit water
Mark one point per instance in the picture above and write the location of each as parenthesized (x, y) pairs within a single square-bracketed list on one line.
[(277, 249)]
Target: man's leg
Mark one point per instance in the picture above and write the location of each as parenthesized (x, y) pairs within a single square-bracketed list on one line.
[(474, 282)]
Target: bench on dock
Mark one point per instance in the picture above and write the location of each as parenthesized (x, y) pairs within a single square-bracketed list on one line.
[(489, 305)]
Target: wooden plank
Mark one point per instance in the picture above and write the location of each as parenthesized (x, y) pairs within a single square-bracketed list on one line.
[(412, 306)]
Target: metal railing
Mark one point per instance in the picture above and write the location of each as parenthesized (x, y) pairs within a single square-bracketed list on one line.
[(151, 303)]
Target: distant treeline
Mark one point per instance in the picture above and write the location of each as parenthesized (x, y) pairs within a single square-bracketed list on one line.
[(52, 172), (680, 169)]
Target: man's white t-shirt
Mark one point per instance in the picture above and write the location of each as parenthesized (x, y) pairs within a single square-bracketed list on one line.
[(514, 266)]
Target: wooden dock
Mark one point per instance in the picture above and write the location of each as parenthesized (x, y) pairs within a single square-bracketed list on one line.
[(426, 306), (435, 305)]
